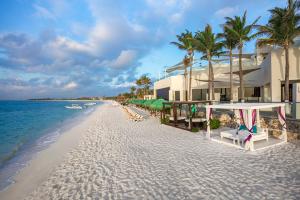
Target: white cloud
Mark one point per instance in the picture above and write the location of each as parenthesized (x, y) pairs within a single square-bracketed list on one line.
[(51, 9), (227, 11), (43, 12), (172, 10), (125, 58), (176, 18), (70, 86)]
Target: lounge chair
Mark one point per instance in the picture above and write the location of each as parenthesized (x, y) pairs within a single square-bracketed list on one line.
[(231, 134), (196, 120), (262, 134), (179, 118)]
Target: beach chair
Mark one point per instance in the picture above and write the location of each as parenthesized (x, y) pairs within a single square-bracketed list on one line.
[(262, 134), (196, 120), (179, 118), (239, 136), (231, 134)]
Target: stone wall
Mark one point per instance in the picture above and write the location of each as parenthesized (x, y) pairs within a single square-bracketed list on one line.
[(273, 124)]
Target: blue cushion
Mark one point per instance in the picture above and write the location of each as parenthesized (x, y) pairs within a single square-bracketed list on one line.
[(254, 130), (242, 127)]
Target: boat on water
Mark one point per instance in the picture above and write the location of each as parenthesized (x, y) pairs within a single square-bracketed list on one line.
[(90, 104), (74, 106)]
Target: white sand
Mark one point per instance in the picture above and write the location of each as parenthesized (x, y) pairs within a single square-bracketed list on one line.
[(120, 159)]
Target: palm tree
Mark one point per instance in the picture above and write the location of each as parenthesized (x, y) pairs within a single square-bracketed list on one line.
[(132, 90), (208, 43), (238, 28), (185, 43), (283, 27), (144, 81), (230, 43)]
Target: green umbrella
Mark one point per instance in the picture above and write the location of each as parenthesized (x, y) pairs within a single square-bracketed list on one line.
[(158, 104), (149, 102)]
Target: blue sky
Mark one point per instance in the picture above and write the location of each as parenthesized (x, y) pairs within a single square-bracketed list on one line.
[(62, 48)]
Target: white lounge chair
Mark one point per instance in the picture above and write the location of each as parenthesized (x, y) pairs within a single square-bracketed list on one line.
[(179, 118), (196, 120), (262, 134), (230, 134)]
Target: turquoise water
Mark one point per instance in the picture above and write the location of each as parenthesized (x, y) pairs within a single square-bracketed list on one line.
[(29, 126)]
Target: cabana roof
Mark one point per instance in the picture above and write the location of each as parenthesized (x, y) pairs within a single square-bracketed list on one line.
[(246, 106)]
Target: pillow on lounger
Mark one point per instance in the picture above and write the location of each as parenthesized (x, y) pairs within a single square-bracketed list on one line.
[(242, 127), (254, 130)]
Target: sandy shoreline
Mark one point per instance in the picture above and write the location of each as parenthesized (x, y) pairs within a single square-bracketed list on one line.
[(44, 162), (109, 157)]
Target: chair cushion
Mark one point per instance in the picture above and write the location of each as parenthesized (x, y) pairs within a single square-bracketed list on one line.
[(254, 130), (242, 127)]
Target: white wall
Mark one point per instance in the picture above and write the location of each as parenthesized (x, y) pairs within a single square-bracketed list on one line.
[(176, 83), (278, 70)]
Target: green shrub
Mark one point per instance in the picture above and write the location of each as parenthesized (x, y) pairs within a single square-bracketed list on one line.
[(165, 121), (195, 129), (214, 123)]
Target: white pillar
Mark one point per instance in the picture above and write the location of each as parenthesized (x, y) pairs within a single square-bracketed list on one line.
[(257, 118), (171, 96), (296, 98), (208, 122), (284, 133), (249, 125)]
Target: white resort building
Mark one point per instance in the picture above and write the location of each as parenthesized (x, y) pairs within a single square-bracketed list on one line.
[(263, 70)]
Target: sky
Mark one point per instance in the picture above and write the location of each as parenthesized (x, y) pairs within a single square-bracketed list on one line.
[(63, 48)]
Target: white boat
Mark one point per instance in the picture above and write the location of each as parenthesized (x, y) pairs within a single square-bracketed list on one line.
[(74, 106), (90, 104)]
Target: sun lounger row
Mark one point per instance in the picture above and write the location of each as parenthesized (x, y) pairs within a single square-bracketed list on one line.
[(133, 115)]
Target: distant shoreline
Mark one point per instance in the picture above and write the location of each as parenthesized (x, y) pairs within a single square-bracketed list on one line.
[(63, 100)]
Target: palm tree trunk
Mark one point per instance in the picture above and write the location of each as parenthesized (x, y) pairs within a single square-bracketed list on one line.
[(209, 81), (185, 90), (231, 83), (190, 81), (241, 74), (212, 82), (287, 75)]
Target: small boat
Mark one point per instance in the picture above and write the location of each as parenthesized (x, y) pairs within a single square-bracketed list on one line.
[(90, 104), (74, 106)]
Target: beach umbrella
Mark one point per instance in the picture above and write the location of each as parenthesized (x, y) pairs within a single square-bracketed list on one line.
[(158, 104), (140, 102), (149, 102)]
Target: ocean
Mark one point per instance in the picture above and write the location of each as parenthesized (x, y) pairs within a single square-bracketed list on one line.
[(27, 127)]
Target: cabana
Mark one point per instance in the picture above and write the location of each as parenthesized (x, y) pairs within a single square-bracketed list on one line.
[(249, 119), (183, 114)]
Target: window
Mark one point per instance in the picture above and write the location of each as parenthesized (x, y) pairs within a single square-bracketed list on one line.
[(163, 93), (290, 92), (199, 94), (177, 95), (256, 92)]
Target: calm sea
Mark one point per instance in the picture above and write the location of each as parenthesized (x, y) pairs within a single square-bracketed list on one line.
[(27, 127)]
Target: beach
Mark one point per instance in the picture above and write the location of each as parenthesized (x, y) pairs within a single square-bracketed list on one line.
[(108, 156)]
